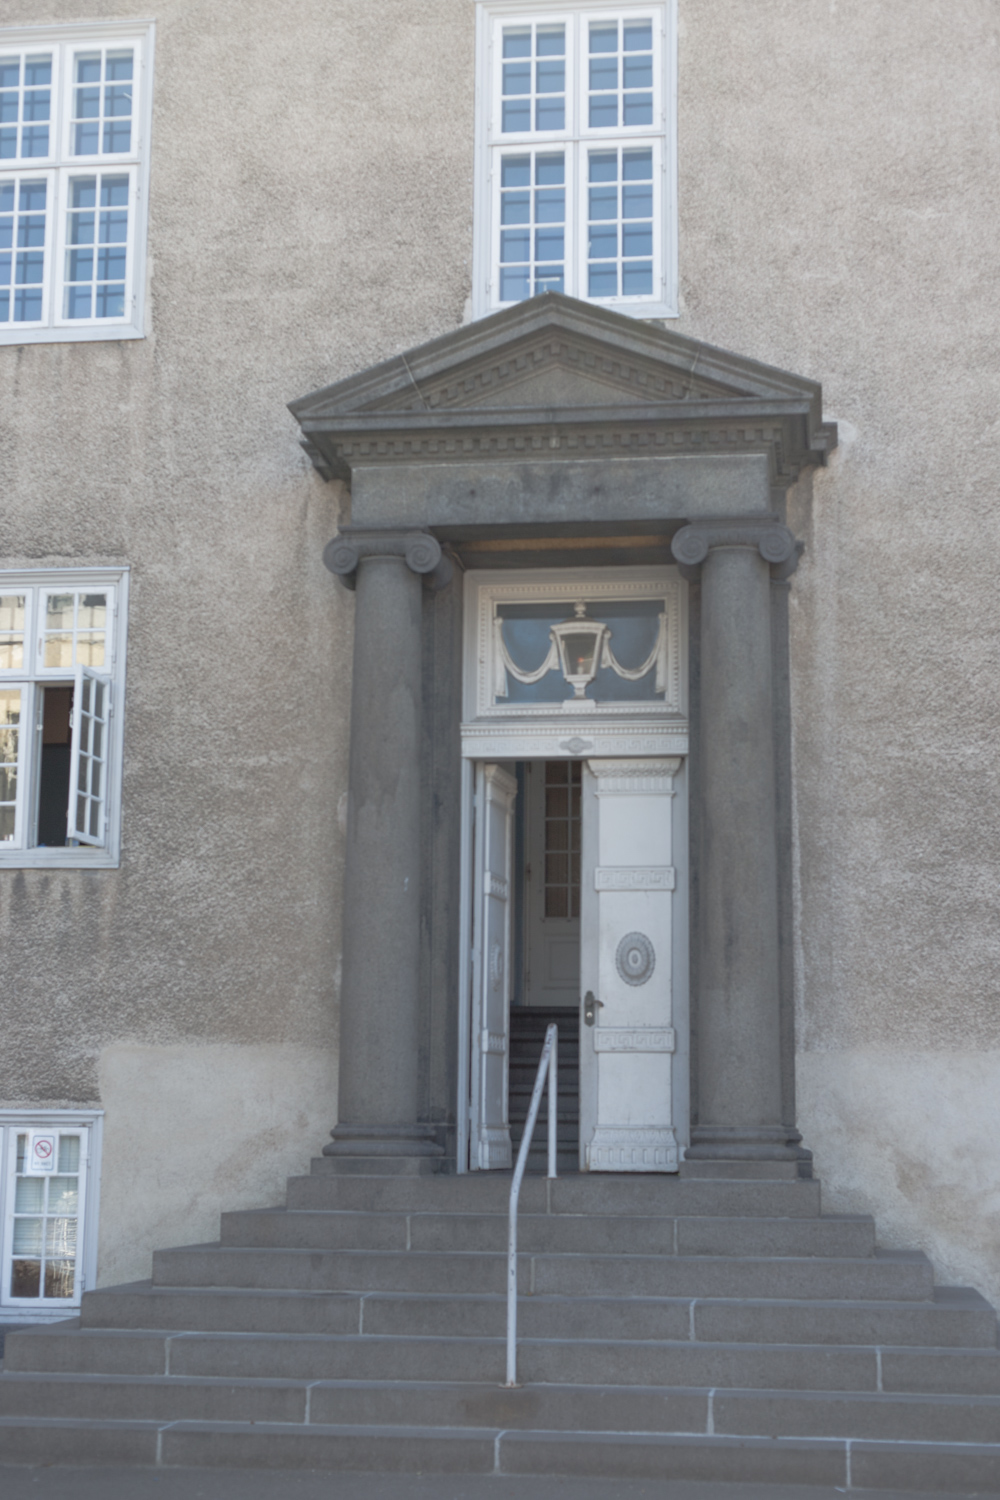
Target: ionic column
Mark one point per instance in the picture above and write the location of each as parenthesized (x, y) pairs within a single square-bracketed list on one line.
[(738, 1015), (378, 1100)]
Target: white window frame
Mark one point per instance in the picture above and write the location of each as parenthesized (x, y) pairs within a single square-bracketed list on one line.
[(33, 677), (60, 167), (575, 139), (90, 1124)]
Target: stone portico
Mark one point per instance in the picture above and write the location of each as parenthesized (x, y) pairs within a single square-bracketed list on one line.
[(554, 435)]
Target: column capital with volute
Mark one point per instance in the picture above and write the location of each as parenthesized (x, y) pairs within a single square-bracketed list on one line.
[(418, 549), (766, 534)]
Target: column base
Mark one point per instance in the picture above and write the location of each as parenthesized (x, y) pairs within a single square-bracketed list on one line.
[(383, 1150), (751, 1151)]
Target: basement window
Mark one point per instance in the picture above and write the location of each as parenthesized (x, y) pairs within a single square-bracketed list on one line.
[(48, 1201)]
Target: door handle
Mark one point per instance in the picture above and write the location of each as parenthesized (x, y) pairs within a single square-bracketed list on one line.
[(591, 1005)]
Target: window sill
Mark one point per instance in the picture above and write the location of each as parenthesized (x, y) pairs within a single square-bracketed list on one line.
[(58, 859), (88, 335)]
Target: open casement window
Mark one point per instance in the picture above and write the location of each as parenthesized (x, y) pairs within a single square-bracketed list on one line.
[(62, 660), (74, 131), (86, 817), (496, 791), (576, 169)]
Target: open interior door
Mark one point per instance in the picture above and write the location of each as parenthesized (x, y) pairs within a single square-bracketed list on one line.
[(493, 852), (627, 1032)]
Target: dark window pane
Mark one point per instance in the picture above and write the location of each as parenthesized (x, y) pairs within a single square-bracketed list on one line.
[(26, 1278)]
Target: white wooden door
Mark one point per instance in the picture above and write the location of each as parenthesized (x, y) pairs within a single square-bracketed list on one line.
[(493, 848), (552, 882), (627, 1035)]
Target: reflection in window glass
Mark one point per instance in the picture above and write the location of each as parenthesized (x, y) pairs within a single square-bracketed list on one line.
[(533, 225), (22, 250), (25, 106), (620, 223), (45, 1226), (75, 632), (12, 619), (620, 74), (10, 724), (102, 103)]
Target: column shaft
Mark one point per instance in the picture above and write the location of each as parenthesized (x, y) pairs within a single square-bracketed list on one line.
[(378, 1104), (739, 1044)]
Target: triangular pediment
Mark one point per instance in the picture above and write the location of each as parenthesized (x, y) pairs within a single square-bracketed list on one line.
[(551, 359), (557, 352)]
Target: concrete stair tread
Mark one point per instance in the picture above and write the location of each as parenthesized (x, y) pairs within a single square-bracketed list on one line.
[(828, 1461), (662, 1364)]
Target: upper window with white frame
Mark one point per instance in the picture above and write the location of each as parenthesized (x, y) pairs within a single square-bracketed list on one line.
[(62, 676), (74, 132), (576, 179)]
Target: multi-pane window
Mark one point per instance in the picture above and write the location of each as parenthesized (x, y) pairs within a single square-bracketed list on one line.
[(74, 121), (576, 156), (62, 643), (562, 838), (47, 1237)]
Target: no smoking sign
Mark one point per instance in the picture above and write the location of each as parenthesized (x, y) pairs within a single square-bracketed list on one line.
[(41, 1158)]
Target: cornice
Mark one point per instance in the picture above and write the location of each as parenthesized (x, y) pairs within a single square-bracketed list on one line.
[(433, 404)]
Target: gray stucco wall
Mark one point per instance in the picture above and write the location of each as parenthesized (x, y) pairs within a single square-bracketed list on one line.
[(310, 213)]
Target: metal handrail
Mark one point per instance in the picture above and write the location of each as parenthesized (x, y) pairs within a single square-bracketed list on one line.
[(547, 1063)]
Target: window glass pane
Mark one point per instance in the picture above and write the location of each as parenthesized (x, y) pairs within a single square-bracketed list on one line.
[(71, 635), (102, 103), (58, 651), (620, 223), (10, 720), (22, 250), (29, 1195), (12, 619), (620, 77), (25, 1278), (95, 279), (60, 1237), (533, 78), (63, 1193), (28, 1236), (25, 106), (69, 1156), (59, 1278)]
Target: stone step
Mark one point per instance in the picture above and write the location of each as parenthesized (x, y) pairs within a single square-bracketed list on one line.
[(896, 1275), (957, 1318), (927, 1466), (584, 1233), (477, 1192), (585, 1362), (734, 1412), (722, 1412)]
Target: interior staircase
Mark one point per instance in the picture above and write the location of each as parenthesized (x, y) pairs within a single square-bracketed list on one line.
[(528, 1024), (672, 1327)]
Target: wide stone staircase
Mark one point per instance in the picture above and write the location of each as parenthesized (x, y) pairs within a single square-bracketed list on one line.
[(671, 1328)]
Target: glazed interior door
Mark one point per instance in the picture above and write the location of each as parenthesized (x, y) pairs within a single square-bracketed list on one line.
[(627, 1035), (552, 882), (493, 848)]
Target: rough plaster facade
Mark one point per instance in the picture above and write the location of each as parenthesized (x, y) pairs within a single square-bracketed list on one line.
[(310, 214)]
